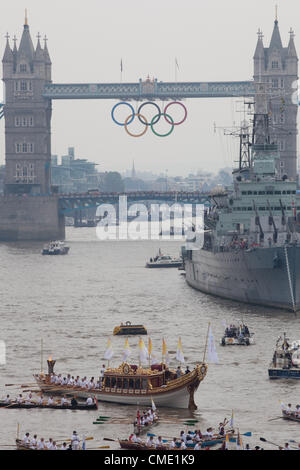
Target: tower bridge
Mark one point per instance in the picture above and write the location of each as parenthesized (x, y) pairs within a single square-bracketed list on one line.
[(148, 90), (27, 109)]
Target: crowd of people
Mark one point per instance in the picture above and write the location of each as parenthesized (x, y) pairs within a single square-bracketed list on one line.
[(77, 382), (30, 399), (146, 419), (41, 444), (186, 439)]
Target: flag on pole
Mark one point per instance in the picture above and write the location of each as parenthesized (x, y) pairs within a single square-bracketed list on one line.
[(231, 422), (164, 348), (212, 355), (238, 441), (226, 441), (179, 352), (127, 351), (149, 347), (154, 359), (143, 351), (138, 417), (109, 351), (153, 405)]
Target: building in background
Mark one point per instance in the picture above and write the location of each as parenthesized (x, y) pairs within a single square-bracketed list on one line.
[(74, 175)]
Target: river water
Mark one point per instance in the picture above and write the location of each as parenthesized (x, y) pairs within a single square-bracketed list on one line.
[(73, 303)]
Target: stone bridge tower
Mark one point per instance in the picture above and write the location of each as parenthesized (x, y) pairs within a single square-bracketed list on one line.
[(277, 67), (27, 116)]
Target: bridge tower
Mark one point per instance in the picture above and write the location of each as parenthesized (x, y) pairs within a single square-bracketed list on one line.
[(277, 67), (27, 116)]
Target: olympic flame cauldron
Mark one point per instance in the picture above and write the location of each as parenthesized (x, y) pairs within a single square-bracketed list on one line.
[(51, 365)]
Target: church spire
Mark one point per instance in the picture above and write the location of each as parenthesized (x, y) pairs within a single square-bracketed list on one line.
[(133, 172)]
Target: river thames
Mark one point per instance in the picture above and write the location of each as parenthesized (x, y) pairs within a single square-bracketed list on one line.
[(73, 303)]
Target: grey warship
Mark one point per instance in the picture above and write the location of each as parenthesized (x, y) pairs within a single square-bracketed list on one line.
[(251, 248)]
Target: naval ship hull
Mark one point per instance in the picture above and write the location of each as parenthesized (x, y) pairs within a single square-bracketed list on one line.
[(262, 276)]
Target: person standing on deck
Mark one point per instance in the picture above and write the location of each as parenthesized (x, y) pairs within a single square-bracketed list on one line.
[(75, 441)]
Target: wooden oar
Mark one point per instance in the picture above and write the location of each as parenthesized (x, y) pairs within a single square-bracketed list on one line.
[(69, 440), (20, 385), (101, 447), (8, 406), (108, 439), (273, 443), (273, 419)]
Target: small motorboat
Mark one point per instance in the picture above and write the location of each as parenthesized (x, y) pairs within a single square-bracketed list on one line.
[(129, 329), (164, 261), (237, 335), (286, 360), (56, 247)]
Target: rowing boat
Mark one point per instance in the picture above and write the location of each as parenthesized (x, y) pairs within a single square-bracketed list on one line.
[(141, 428), (21, 446), (130, 445), (290, 416), (27, 406)]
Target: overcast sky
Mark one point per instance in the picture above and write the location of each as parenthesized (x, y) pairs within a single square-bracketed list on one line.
[(212, 40)]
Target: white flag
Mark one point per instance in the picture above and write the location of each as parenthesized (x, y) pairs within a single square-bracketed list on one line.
[(109, 351), (154, 360), (179, 352), (144, 356), (127, 351), (153, 405), (212, 355)]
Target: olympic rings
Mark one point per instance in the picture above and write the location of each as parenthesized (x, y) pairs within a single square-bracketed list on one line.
[(170, 131), (185, 113), (144, 121), (128, 120), (153, 104), (118, 104)]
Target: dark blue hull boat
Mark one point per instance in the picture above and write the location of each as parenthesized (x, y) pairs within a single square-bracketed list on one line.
[(277, 373)]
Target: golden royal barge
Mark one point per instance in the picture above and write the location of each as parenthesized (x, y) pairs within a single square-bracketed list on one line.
[(132, 385)]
